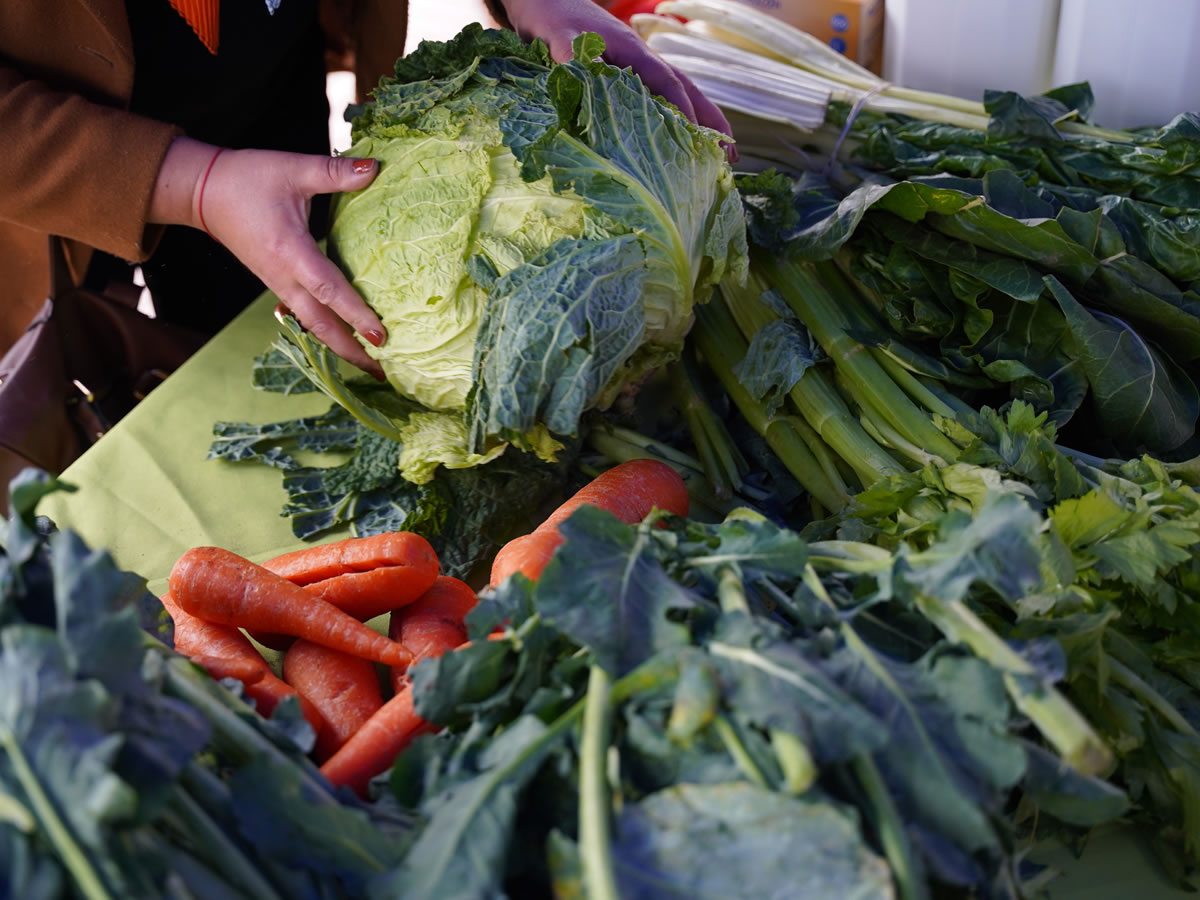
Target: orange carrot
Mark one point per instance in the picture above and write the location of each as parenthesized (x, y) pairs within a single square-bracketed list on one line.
[(343, 688), (433, 623), (428, 627), (629, 491), (221, 587), (363, 595), (375, 746), (366, 595), (403, 549), (223, 650), (244, 670)]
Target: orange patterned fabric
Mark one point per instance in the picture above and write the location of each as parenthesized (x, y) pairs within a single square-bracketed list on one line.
[(205, 17)]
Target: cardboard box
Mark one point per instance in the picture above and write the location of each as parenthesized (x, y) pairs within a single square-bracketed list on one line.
[(853, 27)]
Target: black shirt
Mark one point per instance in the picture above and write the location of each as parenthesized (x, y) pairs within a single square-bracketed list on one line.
[(264, 88)]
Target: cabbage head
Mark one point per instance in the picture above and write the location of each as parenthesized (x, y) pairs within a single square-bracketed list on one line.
[(535, 240)]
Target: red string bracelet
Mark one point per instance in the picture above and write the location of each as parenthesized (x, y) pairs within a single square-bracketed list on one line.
[(203, 183)]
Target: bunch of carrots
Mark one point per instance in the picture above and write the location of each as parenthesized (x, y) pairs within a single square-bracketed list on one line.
[(312, 604)]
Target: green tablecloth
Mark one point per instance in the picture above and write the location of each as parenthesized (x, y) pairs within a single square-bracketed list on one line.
[(147, 494), (146, 491)]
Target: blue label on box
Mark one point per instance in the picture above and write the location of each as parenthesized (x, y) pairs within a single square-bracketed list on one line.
[(839, 22), (838, 44)]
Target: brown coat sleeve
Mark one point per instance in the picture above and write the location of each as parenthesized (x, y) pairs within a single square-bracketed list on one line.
[(77, 168)]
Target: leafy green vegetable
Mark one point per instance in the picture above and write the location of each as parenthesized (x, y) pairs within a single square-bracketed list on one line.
[(734, 839), (740, 650), (535, 240)]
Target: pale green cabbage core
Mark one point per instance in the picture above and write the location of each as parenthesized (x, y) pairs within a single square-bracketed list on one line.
[(439, 200)]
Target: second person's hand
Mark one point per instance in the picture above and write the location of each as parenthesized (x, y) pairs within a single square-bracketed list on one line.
[(256, 203), (559, 22)]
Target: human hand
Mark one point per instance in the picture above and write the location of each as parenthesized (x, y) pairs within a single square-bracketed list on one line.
[(256, 203), (558, 23)]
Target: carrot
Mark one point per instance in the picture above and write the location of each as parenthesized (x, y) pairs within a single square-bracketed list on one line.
[(366, 595), (375, 746), (243, 670), (363, 595), (403, 549), (629, 491), (221, 587), (343, 688), (433, 623), (224, 652), (428, 627)]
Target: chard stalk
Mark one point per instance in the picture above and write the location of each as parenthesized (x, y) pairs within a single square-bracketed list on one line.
[(827, 305), (911, 385), (821, 453), (595, 843), (722, 346), (814, 397), (881, 430), (86, 877), (782, 41), (664, 451), (617, 449), (722, 460)]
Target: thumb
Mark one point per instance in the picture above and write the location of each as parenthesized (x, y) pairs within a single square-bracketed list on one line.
[(334, 174)]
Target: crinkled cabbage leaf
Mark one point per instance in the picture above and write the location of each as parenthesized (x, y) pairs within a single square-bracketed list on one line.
[(534, 242)]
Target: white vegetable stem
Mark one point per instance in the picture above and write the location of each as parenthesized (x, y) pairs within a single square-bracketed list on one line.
[(743, 30)]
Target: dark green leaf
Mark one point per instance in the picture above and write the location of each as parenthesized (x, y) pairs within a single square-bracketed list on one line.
[(779, 354), (1142, 397), (604, 589), (460, 852), (274, 371), (737, 840), (283, 822)]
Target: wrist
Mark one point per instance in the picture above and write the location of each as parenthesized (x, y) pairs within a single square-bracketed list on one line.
[(176, 196)]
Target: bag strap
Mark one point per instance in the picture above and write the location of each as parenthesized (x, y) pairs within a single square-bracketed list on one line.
[(61, 282)]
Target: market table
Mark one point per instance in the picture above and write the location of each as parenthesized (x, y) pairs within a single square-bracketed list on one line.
[(147, 493)]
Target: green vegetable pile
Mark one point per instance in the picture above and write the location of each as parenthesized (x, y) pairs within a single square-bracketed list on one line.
[(939, 597), (126, 771), (730, 708)]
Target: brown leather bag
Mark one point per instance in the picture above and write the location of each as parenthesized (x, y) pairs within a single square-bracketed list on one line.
[(84, 362)]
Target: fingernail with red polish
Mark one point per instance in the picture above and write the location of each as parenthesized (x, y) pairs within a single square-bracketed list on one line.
[(363, 166), (375, 336)]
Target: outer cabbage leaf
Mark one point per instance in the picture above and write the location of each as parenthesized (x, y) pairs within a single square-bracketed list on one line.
[(535, 240)]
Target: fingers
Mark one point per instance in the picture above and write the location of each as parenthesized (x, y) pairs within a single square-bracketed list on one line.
[(709, 114), (257, 206), (325, 304), (328, 328), (333, 174), (626, 49), (658, 77), (324, 282)]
